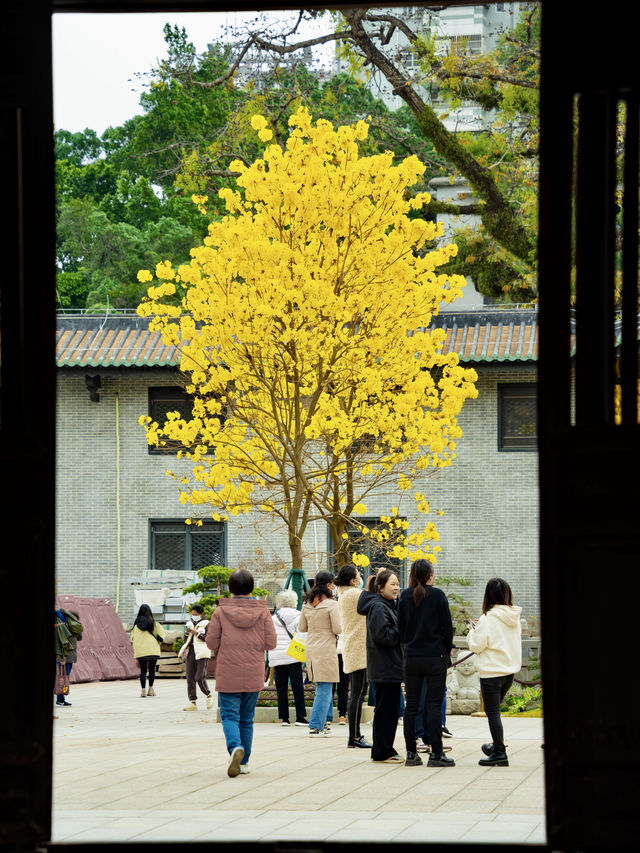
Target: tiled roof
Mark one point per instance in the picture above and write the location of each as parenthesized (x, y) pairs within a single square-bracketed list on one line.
[(124, 340), (118, 340), (490, 335)]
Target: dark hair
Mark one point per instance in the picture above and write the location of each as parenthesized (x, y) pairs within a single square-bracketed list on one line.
[(144, 619), (419, 576), (345, 575), (497, 592), (320, 588), (240, 582), (197, 607), (382, 578)]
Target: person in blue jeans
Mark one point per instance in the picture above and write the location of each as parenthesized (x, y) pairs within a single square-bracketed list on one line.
[(320, 619), (240, 631)]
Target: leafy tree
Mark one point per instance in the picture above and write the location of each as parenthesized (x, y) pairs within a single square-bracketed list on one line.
[(499, 163), (100, 258), (303, 332)]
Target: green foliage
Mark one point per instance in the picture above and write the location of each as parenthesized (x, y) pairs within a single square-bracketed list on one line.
[(529, 699), (213, 586), (99, 258), (459, 606)]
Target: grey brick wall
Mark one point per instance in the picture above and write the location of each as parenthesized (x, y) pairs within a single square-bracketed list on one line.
[(489, 498)]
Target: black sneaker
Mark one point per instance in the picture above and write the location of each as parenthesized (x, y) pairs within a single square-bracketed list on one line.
[(440, 761), (446, 732), (496, 759), (413, 760), (301, 722), (59, 704), (285, 723)]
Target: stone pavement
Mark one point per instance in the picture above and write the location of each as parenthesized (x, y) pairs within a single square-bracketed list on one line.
[(127, 768)]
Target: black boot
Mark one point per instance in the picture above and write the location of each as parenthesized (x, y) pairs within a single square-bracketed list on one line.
[(413, 760), (487, 748), (354, 742), (496, 759), (441, 760)]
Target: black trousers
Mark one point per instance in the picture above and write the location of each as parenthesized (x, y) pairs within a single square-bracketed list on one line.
[(358, 686), (416, 670), (196, 675), (385, 719), (282, 675), (342, 688), (147, 664), (493, 692)]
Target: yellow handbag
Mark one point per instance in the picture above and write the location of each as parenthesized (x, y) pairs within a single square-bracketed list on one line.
[(296, 648)]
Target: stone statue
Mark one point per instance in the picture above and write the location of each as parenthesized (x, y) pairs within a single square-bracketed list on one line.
[(463, 685)]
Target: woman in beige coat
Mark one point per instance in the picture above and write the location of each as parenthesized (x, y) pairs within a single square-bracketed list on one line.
[(354, 649), (321, 620)]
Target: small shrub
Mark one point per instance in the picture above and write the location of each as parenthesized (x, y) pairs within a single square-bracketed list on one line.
[(528, 699), (459, 606), (214, 586)]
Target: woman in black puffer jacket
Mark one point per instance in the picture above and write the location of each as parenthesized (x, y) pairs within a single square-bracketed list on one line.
[(384, 662)]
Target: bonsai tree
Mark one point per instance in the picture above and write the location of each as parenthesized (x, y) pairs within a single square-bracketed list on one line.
[(213, 586)]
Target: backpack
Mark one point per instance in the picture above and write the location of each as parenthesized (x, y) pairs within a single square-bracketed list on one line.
[(74, 625)]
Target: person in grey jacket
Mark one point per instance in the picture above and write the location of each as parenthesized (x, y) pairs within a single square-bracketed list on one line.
[(285, 668)]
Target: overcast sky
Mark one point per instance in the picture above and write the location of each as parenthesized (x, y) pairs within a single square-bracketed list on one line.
[(95, 58)]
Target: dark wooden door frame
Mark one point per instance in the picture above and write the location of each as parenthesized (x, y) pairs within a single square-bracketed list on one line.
[(589, 467)]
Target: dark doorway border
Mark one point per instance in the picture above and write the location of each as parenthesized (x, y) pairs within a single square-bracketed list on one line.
[(589, 470)]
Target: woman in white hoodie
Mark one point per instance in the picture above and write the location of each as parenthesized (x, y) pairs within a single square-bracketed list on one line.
[(285, 668), (496, 641)]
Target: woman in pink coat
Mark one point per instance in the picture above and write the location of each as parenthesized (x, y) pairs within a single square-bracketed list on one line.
[(240, 631)]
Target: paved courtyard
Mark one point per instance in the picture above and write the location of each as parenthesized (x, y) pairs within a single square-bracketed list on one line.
[(127, 768)]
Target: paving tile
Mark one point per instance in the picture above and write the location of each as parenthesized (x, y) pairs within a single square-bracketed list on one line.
[(144, 751)]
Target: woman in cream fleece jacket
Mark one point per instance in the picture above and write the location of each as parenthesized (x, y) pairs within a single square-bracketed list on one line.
[(496, 641), (354, 650)]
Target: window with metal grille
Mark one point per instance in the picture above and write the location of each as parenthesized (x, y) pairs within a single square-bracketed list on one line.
[(167, 399), (517, 416), (171, 398), (470, 45), (185, 547), (377, 553)]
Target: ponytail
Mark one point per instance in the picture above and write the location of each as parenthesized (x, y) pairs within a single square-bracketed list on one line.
[(419, 576)]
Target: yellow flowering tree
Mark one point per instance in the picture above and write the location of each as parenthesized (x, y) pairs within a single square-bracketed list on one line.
[(303, 330)]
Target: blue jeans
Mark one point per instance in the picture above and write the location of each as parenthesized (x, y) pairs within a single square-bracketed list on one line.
[(236, 715), (322, 709)]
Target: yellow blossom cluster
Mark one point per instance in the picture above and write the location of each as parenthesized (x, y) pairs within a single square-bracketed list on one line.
[(304, 334)]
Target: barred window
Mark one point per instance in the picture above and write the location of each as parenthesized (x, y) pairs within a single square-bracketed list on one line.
[(166, 399), (377, 553), (517, 416), (185, 547), (470, 45), (171, 398)]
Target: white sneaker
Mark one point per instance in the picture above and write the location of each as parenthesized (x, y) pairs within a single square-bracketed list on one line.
[(244, 768), (210, 701), (192, 706), (317, 733), (234, 768)]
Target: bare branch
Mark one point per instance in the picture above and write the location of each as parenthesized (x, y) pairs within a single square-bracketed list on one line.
[(222, 79), (300, 45)]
